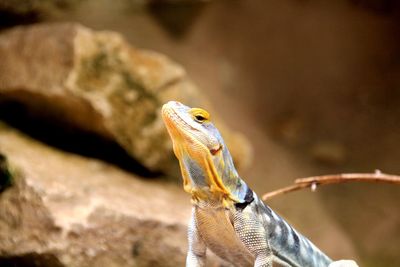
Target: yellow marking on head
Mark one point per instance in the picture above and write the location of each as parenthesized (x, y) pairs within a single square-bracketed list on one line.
[(200, 115)]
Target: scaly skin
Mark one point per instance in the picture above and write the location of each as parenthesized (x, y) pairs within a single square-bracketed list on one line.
[(227, 216)]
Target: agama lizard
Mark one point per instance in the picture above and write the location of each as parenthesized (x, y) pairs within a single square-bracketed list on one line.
[(227, 216)]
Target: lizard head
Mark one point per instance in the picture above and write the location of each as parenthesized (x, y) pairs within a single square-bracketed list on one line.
[(206, 164)]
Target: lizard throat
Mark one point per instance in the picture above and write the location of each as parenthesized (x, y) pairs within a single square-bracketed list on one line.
[(201, 178)]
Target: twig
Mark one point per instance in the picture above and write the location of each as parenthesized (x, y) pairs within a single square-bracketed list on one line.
[(314, 181)]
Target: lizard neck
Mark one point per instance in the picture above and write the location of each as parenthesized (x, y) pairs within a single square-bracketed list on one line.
[(212, 178)]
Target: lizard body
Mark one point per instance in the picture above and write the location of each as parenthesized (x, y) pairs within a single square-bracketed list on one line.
[(227, 216)]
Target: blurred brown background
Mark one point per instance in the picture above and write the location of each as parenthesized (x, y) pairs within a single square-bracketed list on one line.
[(314, 85)]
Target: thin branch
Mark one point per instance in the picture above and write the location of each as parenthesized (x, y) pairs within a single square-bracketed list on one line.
[(315, 181)]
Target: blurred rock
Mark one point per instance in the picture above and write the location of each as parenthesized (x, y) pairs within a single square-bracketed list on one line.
[(380, 6), (6, 176), (175, 2), (67, 210), (98, 83), (35, 6), (176, 16), (328, 152), (30, 11), (289, 128)]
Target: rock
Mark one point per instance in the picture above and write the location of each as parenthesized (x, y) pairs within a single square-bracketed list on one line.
[(176, 16), (98, 83), (68, 210), (328, 152), (36, 7), (6, 175)]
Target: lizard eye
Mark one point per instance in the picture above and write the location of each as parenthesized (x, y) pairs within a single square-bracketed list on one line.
[(199, 118), (200, 115)]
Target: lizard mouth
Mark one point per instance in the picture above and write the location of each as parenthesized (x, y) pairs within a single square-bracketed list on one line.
[(214, 151)]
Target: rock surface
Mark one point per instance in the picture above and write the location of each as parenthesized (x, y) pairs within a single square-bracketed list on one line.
[(98, 83), (83, 212)]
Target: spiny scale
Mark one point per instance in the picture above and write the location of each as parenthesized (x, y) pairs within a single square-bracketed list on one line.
[(287, 244)]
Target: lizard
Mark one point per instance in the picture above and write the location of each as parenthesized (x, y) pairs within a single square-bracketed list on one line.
[(227, 216)]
